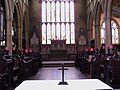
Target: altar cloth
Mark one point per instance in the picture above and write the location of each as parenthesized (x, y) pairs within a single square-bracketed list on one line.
[(82, 84)]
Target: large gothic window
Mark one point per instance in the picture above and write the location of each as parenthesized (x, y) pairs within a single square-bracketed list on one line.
[(114, 29), (1, 23), (2, 34), (103, 33), (58, 21)]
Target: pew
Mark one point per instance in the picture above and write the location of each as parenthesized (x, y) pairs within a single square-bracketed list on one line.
[(111, 69), (114, 65), (3, 75), (10, 64), (105, 66), (91, 64), (79, 59), (29, 64), (95, 67), (24, 68), (18, 67)]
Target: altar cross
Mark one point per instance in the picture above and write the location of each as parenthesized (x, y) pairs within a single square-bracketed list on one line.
[(63, 82)]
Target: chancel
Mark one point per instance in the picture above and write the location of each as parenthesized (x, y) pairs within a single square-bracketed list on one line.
[(62, 44)]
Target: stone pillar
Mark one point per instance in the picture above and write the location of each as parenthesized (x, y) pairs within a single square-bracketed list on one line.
[(9, 35), (9, 18), (35, 22), (89, 38), (27, 30), (20, 36), (97, 36), (108, 32), (80, 19), (107, 19)]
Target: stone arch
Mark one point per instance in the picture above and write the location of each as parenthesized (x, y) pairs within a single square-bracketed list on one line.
[(115, 16), (15, 28), (97, 16), (23, 24), (89, 21), (89, 26), (26, 30), (8, 9), (97, 12), (112, 19), (18, 9)]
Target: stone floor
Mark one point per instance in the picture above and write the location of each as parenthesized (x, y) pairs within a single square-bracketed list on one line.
[(52, 73)]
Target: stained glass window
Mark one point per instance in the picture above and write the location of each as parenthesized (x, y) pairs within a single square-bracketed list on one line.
[(1, 23), (58, 21), (114, 32), (103, 33), (114, 29)]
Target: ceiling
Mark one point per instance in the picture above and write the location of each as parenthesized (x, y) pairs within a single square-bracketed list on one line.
[(116, 8)]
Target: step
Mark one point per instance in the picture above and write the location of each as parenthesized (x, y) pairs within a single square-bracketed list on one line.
[(58, 63), (57, 59)]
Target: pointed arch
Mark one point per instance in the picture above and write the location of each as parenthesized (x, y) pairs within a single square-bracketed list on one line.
[(97, 17), (114, 32), (19, 13), (98, 12), (89, 27)]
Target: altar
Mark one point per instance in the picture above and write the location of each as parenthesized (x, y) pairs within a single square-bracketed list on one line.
[(82, 84), (58, 48)]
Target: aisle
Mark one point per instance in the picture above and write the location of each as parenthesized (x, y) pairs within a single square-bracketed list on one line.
[(52, 73)]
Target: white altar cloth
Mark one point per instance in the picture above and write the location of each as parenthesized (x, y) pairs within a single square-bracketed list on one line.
[(82, 84)]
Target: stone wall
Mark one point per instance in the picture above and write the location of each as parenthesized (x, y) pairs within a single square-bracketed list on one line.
[(35, 22), (80, 21)]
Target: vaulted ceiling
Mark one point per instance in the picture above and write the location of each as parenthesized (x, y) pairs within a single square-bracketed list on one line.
[(116, 8)]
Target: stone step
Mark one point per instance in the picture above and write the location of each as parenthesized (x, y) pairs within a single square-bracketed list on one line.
[(57, 59), (57, 63)]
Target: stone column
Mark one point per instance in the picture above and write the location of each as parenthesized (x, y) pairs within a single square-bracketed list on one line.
[(107, 19), (97, 36), (108, 33), (9, 35), (20, 36), (89, 38), (27, 30), (9, 18)]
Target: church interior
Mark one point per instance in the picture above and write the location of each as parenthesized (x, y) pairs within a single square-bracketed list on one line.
[(39, 39)]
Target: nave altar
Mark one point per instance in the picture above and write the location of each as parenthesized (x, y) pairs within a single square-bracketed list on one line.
[(82, 84)]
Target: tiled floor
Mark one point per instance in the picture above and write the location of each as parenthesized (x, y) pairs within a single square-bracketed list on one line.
[(52, 73)]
